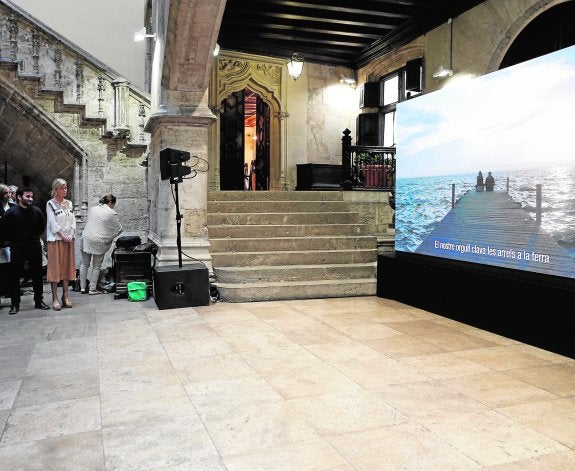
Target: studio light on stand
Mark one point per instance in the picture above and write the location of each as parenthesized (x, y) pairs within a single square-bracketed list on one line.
[(443, 71), (295, 66)]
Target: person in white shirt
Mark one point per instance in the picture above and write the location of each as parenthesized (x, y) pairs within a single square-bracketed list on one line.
[(60, 233), (102, 227)]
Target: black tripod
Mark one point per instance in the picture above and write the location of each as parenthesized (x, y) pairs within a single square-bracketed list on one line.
[(175, 181)]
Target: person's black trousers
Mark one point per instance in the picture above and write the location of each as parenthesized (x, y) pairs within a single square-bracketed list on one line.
[(18, 259)]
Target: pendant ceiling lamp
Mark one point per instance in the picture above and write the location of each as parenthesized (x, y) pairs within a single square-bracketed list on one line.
[(295, 66)]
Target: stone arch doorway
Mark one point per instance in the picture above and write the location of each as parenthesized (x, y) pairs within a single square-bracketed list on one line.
[(244, 142), (546, 27), (233, 74)]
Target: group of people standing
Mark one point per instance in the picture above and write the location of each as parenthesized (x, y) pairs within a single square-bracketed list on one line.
[(21, 228)]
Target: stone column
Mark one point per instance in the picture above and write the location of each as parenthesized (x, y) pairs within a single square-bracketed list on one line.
[(185, 36), (190, 134)]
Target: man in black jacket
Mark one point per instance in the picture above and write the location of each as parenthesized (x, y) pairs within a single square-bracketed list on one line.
[(23, 226)]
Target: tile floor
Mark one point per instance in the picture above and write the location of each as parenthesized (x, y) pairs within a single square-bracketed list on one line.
[(322, 384)]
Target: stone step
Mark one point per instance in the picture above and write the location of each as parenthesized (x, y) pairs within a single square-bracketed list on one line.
[(277, 206), (275, 196), (307, 289), (293, 243), (283, 230), (298, 257), (243, 219), (293, 273)]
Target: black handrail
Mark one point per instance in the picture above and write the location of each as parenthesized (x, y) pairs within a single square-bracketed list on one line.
[(367, 167)]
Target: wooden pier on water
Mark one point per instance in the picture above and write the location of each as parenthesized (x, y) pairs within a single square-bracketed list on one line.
[(490, 227)]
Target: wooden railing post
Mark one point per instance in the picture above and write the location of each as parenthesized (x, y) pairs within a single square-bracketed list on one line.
[(346, 181)]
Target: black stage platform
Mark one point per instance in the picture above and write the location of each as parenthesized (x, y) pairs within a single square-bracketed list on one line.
[(537, 310)]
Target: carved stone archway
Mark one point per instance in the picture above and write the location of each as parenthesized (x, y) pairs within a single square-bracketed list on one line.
[(234, 73)]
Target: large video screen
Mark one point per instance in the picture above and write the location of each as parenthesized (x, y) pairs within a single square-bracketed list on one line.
[(486, 169)]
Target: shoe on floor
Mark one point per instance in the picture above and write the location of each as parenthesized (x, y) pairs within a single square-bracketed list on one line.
[(14, 309), (56, 306), (41, 305), (95, 291)]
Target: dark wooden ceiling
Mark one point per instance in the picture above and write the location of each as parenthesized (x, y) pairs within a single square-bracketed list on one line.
[(337, 32)]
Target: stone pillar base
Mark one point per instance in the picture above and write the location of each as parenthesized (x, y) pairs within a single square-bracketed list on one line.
[(197, 249)]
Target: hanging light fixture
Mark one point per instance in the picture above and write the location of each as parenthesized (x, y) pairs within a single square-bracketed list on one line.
[(295, 66), (443, 71)]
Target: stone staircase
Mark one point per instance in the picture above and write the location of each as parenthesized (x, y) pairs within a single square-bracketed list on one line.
[(289, 245)]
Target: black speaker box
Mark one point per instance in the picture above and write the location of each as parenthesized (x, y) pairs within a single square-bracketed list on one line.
[(176, 287)]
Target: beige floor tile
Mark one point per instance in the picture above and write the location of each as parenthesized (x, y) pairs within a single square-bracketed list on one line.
[(558, 378), (346, 411), (136, 377), (490, 438), (444, 365), (14, 361), (344, 352), (275, 312), (540, 353), (8, 392), (560, 461), (248, 430), (246, 341), (556, 419), (498, 390), (203, 465), (502, 358), (405, 446), (121, 407), (277, 359), (368, 331), (227, 366), (456, 341), (139, 327), (52, 420), (309, 381), (43, 389), (228, 396), (428, 399), (420, 327), (154, 443), (86, 361), (183, 350), (377, 373), (401, 346), (186, 332), (311, 455), (229, 315), (80, 451), (66, 346), (305, 330)]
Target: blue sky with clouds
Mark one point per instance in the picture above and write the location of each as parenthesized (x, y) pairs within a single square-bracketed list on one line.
[(510, 119)]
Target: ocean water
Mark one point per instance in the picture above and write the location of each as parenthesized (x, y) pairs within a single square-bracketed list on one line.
[(422, 202)]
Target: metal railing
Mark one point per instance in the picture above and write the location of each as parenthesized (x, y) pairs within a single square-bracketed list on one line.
[(367, 167)]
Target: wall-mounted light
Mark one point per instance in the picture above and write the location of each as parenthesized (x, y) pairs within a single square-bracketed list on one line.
[(295, 66), (351, 81), (216, 50), (142, 34), (443, 71)]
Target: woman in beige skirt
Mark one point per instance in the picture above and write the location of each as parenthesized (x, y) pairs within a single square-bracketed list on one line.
[(60, 232)]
